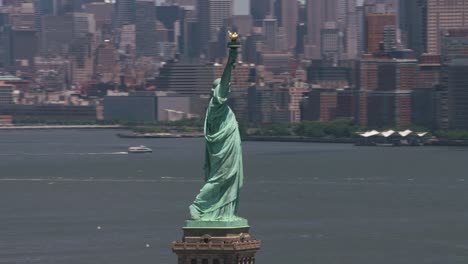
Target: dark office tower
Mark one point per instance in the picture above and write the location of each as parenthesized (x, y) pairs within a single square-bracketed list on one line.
[(169, 15), (145, 27), (456, 84), (191, 36), (413, 24), (6, 57), (278, 11), (125, 12), (259, 9), (300, 38)]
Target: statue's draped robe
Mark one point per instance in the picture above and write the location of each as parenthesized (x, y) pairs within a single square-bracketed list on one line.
[(219, 198)]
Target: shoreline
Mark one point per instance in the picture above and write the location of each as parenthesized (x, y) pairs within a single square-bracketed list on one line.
[(63, 127), (296, 139)]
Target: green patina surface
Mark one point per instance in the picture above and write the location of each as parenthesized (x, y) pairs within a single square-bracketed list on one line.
[(217, 203)]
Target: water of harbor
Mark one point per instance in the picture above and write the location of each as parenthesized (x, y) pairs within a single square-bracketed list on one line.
[(77, 197)]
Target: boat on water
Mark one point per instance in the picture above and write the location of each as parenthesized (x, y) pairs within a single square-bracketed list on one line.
[(140, 149)]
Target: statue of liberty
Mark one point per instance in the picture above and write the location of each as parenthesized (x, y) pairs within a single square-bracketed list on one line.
[(218, 199)]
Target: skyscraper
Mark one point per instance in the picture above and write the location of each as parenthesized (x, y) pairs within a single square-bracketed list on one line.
[(413, 23), (444, 14), (376, 24), (270, 30), (125, 12), (211, 15), (457, 93), (145, 26), (259, 9), (318, 12), (289, 17)]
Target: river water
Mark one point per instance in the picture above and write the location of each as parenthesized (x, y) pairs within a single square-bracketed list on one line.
[(76, 197)]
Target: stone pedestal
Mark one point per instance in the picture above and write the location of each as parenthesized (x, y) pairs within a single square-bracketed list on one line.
[(216, 246)]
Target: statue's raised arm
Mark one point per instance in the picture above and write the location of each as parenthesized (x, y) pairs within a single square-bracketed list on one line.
[(217, 203)]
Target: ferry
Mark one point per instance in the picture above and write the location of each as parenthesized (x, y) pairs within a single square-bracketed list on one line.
[(140, 149)]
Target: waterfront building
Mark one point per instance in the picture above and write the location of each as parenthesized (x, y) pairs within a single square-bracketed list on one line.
[(456, 85), (148, 106), (388, 74), (423, 107), (187, 79), (442, 15), (319, 105), (260, 104), (296, 95), (6, 95), (388, 109), (50, 111)]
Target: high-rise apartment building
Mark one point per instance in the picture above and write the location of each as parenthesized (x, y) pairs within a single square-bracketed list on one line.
[(125, 12), (441, 15)]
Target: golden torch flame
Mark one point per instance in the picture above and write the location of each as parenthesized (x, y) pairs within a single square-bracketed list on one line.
[(233, 36)]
